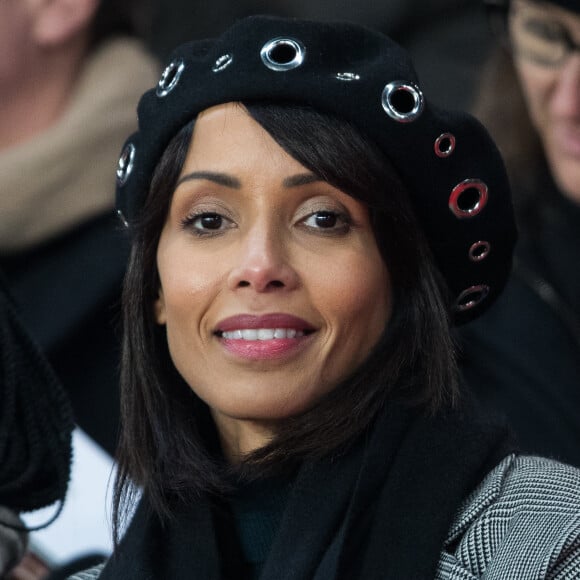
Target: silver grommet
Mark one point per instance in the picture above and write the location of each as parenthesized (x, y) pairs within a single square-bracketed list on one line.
[(403, 101), (479, 251), (347, 76), (222, 63), (169, 78), (125, 164), (445, 145), (122, 217), (471, 297), (468, 198), (282, 54)]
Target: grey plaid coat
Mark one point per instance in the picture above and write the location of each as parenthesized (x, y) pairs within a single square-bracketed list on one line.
[(521, 523)]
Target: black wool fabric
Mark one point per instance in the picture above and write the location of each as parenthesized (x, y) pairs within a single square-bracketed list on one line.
[(35, 419), (380, 510)]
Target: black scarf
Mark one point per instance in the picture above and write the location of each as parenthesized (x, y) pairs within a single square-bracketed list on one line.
[(379, 511), (36, 419)]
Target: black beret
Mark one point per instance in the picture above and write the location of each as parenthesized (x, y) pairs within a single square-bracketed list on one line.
[(448, 162)]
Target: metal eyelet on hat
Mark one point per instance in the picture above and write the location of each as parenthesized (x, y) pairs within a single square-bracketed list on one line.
[(222, 63), (403, 101), (471, 297), (444, 145), (479, 251), (282, 54), (125, 163), (347, 76), (468, 198), (170, 78)]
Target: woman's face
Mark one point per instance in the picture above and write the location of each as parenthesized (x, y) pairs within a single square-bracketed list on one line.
[(272, 289), (551, 84)]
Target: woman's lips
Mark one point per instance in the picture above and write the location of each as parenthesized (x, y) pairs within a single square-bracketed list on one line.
[(264, 337)]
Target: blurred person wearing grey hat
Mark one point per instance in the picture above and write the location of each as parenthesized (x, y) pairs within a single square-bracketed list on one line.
[(523, 357), (305, 226)]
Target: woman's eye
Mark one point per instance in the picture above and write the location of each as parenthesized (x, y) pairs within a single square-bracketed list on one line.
[(207, 222), (327, 220)]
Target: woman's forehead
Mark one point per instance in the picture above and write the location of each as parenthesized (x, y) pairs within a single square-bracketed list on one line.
[(226, 137)]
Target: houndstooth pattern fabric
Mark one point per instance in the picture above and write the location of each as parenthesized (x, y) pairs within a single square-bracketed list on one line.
[(521, 523), (90, 574)]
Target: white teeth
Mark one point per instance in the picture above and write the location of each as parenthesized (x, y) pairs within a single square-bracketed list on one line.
[(262, 333), (250, 334), (266, 334)]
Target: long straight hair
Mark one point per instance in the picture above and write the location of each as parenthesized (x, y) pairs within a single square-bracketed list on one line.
[(164, 446)]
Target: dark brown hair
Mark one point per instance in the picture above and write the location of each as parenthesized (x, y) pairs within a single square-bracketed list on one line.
[(165, 428)]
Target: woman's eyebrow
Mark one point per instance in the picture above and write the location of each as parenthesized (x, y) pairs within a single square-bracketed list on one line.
[(300, 179), (219, 178)]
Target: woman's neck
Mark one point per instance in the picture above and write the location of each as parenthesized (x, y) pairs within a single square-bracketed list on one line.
[(239, 437)]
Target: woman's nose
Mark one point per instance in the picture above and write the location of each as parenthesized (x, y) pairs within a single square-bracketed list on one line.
[(263, 264), (566, 97)]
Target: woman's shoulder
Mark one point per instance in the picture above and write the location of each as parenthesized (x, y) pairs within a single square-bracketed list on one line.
[(526, 482), (522, 521)]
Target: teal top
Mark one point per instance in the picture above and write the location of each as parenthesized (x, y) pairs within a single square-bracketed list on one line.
[(255, 511)]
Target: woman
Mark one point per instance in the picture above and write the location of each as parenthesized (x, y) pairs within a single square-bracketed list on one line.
[(290, 400), (523, 357)]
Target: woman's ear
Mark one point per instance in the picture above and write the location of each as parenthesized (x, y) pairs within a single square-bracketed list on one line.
[(58, 21), (159, 308)]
